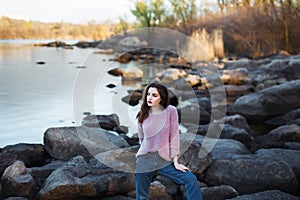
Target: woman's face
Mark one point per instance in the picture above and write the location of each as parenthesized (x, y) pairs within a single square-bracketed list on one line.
[(153, 97)]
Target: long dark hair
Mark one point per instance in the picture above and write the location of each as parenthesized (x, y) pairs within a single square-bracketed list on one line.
[(164, 95)]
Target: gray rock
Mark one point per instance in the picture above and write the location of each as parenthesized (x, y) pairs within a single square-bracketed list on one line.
[(77, 178), (158, 192), (6, 159), (123, 159), (40, 174), (291, 157), (171, 188), (268, 103), (133, 74), (250, 174), (286, 118), (221, 192), (220, 148), (118, 197), (238, 121), (108, 122), (237, 76), (30, 154), (194, 156), (66, 142), (67, 182), (277, 137), (16, 181), (224, 132), (265, 195)]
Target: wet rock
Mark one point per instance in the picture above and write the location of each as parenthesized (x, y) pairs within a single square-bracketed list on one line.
[(115, 72), (85, 44), (133, 98), (270, 194), (40, 62), (30, 154), (111, 85), (16, 181)]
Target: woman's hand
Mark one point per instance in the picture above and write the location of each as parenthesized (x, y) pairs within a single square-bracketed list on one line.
[(178, 166), (181, 167)]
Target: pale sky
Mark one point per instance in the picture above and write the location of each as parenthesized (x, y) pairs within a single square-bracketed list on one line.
[(74, 11)]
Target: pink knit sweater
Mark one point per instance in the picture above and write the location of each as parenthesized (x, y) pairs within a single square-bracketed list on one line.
[(159, 133)]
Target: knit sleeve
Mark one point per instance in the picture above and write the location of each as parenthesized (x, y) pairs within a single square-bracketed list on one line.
[(174, 133), (140, 133)]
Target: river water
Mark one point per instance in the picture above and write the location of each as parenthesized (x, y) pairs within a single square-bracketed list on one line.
[(35, 97)]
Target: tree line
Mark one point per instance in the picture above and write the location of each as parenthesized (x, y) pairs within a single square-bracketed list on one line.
[(251, 28), (22, 29)]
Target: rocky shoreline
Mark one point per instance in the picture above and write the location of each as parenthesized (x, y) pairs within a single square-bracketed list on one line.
[(96, 160)]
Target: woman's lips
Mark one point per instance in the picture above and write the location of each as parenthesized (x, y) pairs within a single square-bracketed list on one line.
[(149, 102)]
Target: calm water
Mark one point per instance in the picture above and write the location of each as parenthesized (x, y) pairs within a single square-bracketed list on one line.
[(36, 97)]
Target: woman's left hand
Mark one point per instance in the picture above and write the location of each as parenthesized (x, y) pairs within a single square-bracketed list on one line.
[(181, 167)]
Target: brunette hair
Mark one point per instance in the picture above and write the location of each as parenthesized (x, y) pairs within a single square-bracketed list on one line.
[(164, 95)]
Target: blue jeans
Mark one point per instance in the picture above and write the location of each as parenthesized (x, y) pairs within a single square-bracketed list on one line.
[(149, 164)]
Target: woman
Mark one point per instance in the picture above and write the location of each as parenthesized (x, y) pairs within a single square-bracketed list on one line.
[(159, 139)]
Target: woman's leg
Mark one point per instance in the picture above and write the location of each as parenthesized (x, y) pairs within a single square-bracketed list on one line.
[(145, 168), (142, 185), (188, 179)]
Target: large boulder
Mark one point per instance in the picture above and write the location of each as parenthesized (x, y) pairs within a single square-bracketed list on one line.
[(30, 154), (77, 178), (268, 103), (279, 137), (292, 117), (291, 157), (218, 148), (66, 142), (225, 131), (251, 173)]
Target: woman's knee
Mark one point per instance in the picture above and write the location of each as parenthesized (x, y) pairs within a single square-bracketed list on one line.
[(190, 178)]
